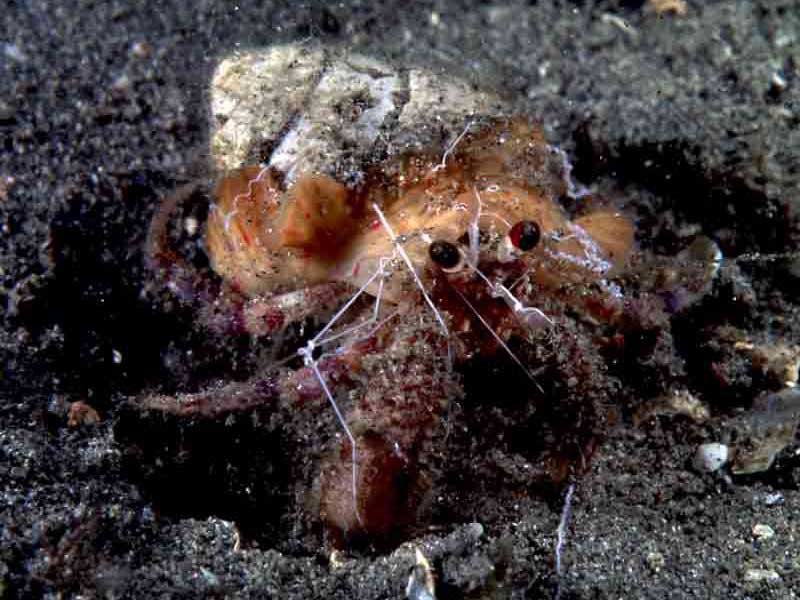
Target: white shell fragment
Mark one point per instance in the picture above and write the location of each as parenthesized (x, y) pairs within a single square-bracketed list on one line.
[(710, 457), (420, 582)]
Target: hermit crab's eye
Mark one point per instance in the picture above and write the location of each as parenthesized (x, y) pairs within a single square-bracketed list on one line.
[(445, 254), (525, 235)]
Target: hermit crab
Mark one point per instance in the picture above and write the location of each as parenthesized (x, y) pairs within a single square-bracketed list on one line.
[(430, 261)]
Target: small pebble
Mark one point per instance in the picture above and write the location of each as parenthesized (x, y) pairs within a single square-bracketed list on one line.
[(757, 575), (121, 85), (210, 578), (13, 53), (474, 530), (80, 413), (777, 83), (190, 225), (7, 113), (762, 531), (19, 472), (336, 560), (710, 457), (655, 560), (141, 49), (775, 499)]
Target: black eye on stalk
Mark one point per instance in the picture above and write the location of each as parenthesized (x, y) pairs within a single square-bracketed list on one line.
[(525, 235), (444, 254)]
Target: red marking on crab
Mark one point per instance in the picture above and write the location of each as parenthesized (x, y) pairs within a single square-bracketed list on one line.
[(245, 236)]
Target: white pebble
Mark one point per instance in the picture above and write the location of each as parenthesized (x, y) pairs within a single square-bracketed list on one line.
[(775, 499), (710, 457), (778, 82), (656, 561), (762, 531), (13, 53), (190, 225)]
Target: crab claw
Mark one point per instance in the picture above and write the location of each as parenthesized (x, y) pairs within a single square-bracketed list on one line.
[(381, 505)]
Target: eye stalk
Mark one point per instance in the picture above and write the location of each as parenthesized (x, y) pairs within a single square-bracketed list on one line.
[(446, 255), (525, 235)]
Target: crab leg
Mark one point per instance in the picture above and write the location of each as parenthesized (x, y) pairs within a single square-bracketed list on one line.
[(307, 353)]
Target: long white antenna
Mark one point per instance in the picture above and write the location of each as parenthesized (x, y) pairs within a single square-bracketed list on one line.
[(474, 232), (401, 251), (450, 149), (250, 187), (306, 352), (499, 340), (529, 315)]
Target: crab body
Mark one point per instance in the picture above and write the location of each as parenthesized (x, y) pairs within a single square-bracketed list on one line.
[(452, 256), (267, 241)]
